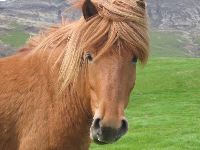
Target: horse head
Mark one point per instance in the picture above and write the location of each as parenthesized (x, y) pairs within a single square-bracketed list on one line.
[(112, 63)]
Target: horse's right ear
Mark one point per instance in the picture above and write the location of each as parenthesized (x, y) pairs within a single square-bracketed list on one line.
[(141, 3), (88, 9)]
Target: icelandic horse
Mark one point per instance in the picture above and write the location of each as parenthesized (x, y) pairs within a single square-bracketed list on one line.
[(71, 83)]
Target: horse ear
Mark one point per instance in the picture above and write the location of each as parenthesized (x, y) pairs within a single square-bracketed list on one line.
[(141, 3), (89, 9)]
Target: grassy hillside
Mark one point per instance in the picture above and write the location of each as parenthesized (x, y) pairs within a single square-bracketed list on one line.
[(15, 37), (167, 44), (164, 109), (197, 40)]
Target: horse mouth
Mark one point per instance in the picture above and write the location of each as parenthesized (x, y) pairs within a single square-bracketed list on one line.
[(101, 139), (98, 141)]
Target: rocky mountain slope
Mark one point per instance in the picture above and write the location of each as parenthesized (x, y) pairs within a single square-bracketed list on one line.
[(175, 15), (33, 14), (182, 16)]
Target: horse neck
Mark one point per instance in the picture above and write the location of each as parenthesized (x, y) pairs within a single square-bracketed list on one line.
[(69, 111)]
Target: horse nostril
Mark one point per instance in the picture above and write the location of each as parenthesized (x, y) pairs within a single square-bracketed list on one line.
[(124, 127), (96, 124)]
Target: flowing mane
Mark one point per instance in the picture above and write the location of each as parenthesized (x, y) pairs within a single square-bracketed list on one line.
[(119, 23)]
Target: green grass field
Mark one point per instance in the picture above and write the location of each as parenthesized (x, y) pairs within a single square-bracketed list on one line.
[(164, 109)]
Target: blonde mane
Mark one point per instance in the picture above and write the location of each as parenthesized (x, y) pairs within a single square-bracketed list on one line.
[(119, 22)]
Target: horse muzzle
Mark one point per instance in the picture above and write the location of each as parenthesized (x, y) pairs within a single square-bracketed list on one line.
[(106, 135)]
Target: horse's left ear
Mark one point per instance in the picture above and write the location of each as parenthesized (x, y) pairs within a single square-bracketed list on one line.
[(89, 9)]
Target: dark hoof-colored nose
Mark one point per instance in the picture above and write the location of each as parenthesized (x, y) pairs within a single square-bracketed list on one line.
[(104, 134)]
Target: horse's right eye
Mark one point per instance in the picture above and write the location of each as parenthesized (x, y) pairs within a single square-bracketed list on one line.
[(88, 57)]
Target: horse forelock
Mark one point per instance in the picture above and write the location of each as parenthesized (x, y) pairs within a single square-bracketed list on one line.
[(118, 21)]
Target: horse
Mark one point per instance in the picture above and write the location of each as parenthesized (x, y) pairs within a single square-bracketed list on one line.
[(70, 84)]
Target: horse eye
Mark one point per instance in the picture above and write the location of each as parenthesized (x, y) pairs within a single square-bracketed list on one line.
[(134, 60), (88, 57)]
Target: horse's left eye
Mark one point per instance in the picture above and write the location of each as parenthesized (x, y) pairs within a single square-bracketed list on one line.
[(134, 60), (88, 57)]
